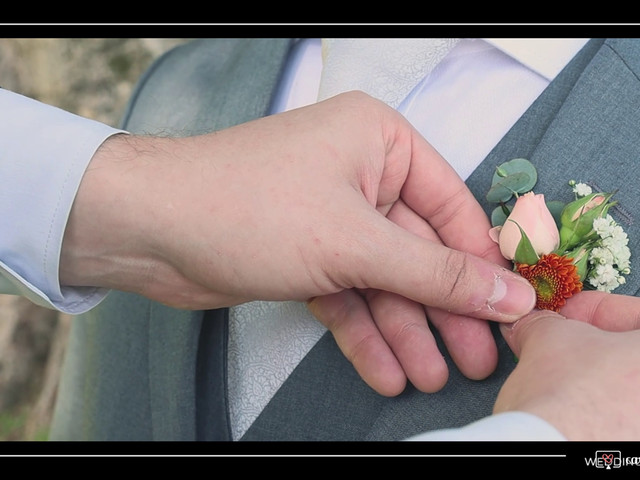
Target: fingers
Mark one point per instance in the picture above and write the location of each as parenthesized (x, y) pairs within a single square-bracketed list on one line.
[(387, 339), (347, 316), (538, 323), (607, 311), (581, 379), (387, 336), (437, 194), (477, 282), (468, 340), (403, 324), (432, 274)]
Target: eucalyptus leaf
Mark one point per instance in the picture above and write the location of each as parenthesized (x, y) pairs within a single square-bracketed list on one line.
[(499, 216), (517, 165), (503, 189), (501, 172)]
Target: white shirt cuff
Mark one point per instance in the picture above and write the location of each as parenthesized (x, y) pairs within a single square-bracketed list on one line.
[(44, 152)]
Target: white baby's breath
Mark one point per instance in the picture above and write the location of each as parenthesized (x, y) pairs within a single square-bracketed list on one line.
[(605, 278), (601, 256), (581, 189), (611, 255), (603, 225)]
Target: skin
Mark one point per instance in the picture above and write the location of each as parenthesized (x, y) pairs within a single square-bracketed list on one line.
[(341, 204), (582, 376)]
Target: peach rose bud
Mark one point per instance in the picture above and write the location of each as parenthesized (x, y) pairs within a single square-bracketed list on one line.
[(532, 215)]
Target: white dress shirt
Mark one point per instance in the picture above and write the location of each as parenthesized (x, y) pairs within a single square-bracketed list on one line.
[(475, 94)]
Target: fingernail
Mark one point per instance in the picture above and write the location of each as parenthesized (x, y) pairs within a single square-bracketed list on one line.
[(512, 295)]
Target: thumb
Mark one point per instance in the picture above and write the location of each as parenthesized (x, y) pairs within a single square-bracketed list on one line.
[(435, 275), (536, 323)]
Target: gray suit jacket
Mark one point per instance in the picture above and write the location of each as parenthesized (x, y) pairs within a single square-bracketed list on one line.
[(137, 370)]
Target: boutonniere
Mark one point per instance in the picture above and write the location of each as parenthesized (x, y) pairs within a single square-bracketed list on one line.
[(559, 247)]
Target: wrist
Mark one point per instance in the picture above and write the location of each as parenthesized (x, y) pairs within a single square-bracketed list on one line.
[(105, 244)]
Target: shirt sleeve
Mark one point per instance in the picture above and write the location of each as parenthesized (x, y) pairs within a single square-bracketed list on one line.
[(44, 152), (507, 426)]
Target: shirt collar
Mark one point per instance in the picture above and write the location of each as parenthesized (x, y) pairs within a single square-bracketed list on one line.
[(549, 56)]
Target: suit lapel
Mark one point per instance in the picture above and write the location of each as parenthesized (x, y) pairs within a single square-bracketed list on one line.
[(584, 127), (323, 399), (591, 137)]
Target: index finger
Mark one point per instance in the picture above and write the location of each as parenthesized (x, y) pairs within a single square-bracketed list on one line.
[(607, 311), (436, 192)]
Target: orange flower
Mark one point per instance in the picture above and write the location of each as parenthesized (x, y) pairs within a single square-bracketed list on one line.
[(554, 277)]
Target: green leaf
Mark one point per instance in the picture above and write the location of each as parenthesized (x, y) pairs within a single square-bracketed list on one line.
[(517, 165), (501, 172), (499, 216), (525, 252), (503, 189), (514, 167)]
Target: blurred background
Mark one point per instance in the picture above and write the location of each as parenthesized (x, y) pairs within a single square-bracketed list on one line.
[(93, 78)]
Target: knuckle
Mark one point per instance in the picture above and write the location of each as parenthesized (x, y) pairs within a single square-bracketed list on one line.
[(454, 277), (360, 349)]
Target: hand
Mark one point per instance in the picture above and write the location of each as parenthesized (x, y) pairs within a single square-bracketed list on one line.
[(607, 311), (580, 375), (342, 203)]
